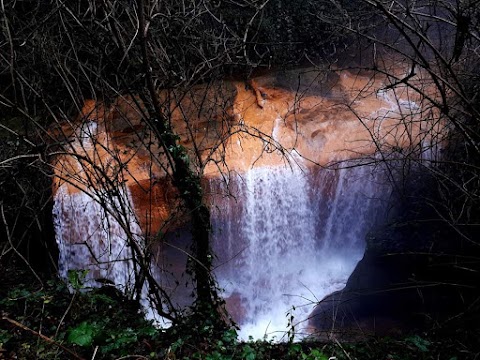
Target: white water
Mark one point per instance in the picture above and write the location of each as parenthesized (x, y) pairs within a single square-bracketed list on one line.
[(286, 243), (290, 239), (97, 239), (90, 238), (92, 228), (95, 229), (287, 239)]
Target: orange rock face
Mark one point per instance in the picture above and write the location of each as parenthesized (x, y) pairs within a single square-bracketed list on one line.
[(304, 117), (307, 115)]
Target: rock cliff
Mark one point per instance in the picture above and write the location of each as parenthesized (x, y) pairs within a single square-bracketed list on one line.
[(311, 118), (319, 116)]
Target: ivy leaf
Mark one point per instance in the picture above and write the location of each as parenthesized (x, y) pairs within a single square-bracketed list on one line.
[(77, 278), (420, 343), (83, 334), (317, 355)]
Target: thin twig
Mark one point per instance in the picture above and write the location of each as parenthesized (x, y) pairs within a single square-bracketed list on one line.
[(65, 313), (341, 347), (43, 337), (12, 245), (94, 352)]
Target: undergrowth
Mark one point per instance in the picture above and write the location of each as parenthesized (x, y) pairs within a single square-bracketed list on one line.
[(49, 322)]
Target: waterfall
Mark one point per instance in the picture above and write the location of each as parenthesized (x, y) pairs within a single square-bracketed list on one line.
[(92, 224), (284, 237), (93, 233), (91, 238), (287, 239), (95, 227)]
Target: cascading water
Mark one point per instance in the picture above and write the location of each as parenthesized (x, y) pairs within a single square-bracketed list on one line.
[(96, 237), (95, 228), (91, 225), (289, 238), (284, 236), (91, 238)]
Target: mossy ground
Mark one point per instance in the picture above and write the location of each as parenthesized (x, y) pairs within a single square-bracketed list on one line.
[(49, 322)]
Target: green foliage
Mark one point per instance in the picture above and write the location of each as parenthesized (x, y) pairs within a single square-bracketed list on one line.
[(84, 334), (419, 342), (83, 321), (5, 336), (296, 351), (114, 325), (112, 334), (76, 278), (107, 337), (248, 353), (230, 337), (315, 354)]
